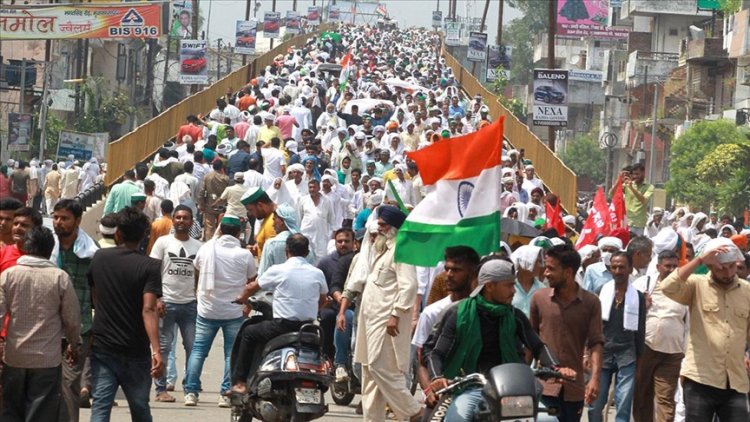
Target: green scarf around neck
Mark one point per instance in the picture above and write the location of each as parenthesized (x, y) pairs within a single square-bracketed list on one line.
[(469, 336)]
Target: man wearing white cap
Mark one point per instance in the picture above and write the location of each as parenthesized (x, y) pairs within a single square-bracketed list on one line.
[(480, 333), (714, 377), (531, 182), (655, 224), (269, 130), (598, 273)]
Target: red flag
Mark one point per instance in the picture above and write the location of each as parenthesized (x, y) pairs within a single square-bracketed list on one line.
[(617, 208), (597, 222), (554, 218)]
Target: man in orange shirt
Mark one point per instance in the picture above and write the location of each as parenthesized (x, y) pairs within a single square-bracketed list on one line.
[(192, 128), (162, 225), (246, 100)]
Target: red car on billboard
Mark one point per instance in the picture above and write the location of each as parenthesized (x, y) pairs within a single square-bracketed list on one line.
[(193, 64)]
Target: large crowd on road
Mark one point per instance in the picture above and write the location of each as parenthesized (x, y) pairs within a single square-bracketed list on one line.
[(297, 184)]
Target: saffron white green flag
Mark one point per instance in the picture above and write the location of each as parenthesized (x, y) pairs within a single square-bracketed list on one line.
[(463, 208), (345, 70)]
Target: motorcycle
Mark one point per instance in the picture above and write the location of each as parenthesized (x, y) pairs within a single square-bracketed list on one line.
[(511, 393), (293, 375)]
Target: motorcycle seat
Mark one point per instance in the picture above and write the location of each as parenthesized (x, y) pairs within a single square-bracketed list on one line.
[(291, 339)]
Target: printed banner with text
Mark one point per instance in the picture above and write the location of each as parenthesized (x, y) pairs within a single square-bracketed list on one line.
[(245, 34), (292, 22), (498, 56), (271, 25), (19, 131), (477, 47), (85, 21), (193, 62), (586, 18), (313, 15), (550, 97)]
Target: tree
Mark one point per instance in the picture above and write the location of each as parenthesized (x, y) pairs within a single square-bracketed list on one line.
[(709, 166), (521, 34), (585, 158), (514, 105)]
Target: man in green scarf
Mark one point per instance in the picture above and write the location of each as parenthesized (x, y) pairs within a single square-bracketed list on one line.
[(481, 332)]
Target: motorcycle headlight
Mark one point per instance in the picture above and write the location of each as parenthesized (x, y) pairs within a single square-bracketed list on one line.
[(517, 406)]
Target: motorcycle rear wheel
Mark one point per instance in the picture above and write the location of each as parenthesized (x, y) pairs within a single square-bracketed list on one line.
[(240, 416), (341, 396)]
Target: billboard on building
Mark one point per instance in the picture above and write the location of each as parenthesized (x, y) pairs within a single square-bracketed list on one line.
[(193, 62), (452, 33), (437, 18), (271, 25), (245, 35), (292, 22), (550, 97), (82, 145), (182, 19), (313, 15), (586, 18), (477, 51), (19, 131), (138, 20), (498, 56)]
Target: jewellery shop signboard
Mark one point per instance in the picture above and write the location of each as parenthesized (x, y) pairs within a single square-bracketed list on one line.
[(54, 22)]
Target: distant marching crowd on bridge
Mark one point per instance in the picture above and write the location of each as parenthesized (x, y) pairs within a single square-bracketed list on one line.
[(318, 144)]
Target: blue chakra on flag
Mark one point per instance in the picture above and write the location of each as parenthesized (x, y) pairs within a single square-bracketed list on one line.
[(465, 190)]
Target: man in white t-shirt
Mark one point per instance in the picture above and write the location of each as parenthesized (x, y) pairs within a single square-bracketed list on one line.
[(273, 159), (461, 266), (178, 304), (298, 290), (224, 270)]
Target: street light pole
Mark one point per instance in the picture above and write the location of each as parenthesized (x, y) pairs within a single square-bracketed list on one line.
[(652, 160)]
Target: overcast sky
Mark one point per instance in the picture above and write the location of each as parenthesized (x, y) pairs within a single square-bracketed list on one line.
[(224, 13)]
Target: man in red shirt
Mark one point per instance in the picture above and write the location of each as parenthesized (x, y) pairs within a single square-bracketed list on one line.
[(24, 219), (192, 128), (8, 205), (286, 123)]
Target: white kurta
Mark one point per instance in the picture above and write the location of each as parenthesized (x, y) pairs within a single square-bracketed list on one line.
[(316, 222)]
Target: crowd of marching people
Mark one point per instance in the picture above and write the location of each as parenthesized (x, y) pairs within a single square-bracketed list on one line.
[(303, 178)]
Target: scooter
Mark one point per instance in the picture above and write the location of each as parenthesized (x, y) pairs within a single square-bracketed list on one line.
[(292, 377), (511, 393)]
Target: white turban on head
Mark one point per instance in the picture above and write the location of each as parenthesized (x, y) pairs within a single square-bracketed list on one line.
[(526, 257), (587, 252), (732, 254), (665, 240), (609, 241)]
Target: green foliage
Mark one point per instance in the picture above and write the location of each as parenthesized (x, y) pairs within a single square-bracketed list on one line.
[(730, 6), (521, 34), (102, 112), (585, 158), (709, 166), (516, 106), (54, 126)]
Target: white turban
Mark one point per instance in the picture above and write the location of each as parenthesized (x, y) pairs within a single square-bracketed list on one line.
[(610, 241), (665, 240), (526, 257), (732, 254), (587, 252)]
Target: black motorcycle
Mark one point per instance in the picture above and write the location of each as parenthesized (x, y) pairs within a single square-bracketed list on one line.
[(293, 375), (511, 393)]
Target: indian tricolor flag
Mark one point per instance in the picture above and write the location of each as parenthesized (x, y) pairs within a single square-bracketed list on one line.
[(345, 70), (462, 176)]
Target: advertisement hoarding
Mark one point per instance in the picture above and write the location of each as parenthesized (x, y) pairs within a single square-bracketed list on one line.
[(452, 33), (437, 18), (85, 21), (334, 14), (182, 19), (292, 22), (271, 25), (193, 62), (477, 51), (245, 35), (82, 145), (550, 97), (313, 15), (498, 56), (586, 18), (19, 131)]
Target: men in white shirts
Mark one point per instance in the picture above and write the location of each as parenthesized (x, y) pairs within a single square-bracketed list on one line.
[(303, 116), (178, 304), (666, 332), (274, 164), (531, 182), (224, 269), (316, 218), (403, 186)]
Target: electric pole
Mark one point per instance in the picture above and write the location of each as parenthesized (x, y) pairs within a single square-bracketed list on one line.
[(551, 59)]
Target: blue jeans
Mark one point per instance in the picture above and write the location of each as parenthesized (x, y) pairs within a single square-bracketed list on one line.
[(465, 405), (624, 383), (172, 361), (109, 372), (343, 340), (177, 315), (205, 332)]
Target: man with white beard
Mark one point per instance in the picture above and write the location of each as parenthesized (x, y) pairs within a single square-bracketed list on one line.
[(330, 118)]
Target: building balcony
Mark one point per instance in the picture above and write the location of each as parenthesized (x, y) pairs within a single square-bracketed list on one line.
[(632, 8), (656, 66), (707, 51)]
